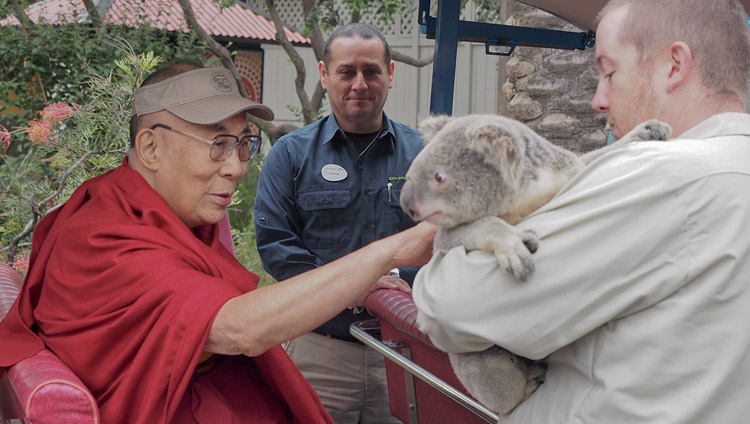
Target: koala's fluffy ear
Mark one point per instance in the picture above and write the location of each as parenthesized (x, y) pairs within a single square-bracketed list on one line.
[(430, 126), (499, 149)]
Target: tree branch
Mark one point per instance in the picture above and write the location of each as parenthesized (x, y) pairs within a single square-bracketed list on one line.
[(317, 97), (36, 207), (20, 14), (216, 48), (96, 19), (299, 64), (400, 57), (226, 58), (316, 38), (318, 44), (13, 246)]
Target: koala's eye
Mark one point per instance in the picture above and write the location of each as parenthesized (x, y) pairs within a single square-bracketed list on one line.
[(440, 177)]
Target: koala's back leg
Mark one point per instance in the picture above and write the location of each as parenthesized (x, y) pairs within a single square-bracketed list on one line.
[(497, 378)]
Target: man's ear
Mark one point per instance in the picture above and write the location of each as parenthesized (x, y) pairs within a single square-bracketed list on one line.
[(146, 148), (681, 65), (391, 69), (323, 75)]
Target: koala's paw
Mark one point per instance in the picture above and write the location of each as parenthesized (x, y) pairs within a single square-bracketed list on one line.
[(516, 259), (497, 378), (512, 247), (651, 130)]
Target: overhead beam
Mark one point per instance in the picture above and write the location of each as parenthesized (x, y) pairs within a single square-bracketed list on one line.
[(447, 30)]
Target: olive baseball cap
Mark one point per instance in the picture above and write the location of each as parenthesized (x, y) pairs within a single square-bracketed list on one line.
[(202, 96)]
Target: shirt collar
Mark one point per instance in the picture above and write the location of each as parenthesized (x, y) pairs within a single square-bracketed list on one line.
[(332, 130), (720, 125)]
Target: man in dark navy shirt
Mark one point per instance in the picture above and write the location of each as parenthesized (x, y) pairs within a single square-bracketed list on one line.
[(328, 189)]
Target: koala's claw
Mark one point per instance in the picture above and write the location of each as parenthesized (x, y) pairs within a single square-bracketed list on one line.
[(531, 240), (536, 374), (520, 265)]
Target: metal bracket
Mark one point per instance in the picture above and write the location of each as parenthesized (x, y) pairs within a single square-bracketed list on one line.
[(488, 48), (359, 331)]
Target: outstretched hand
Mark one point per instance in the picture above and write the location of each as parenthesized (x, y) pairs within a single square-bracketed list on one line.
[(414, 246)]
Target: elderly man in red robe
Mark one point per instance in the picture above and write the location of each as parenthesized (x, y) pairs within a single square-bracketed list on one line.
[(130, 286)]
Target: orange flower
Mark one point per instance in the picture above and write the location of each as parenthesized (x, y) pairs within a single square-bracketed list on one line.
[(39, 131), (58, 112), (21, 264), (4, 137)]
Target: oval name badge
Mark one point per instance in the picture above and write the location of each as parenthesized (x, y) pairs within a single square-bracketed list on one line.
[(333, 172)]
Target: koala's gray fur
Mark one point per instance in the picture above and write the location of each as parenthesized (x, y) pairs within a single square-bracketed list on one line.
[(476, 176), (497, 378)]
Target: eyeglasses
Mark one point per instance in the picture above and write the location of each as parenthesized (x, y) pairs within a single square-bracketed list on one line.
[(224, 144)]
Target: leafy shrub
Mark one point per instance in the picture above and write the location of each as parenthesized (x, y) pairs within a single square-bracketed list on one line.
[(68, 143)]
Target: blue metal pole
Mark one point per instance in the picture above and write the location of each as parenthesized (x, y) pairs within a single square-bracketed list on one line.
[(444, 64)]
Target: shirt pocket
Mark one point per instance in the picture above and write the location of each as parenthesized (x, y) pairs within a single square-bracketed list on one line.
[(326, 219), (398, 220)]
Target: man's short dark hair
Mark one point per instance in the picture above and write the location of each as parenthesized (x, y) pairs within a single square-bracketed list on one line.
[(364, 31), (158, 76)]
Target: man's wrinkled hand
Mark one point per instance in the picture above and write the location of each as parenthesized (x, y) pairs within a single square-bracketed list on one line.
[(384, 282)]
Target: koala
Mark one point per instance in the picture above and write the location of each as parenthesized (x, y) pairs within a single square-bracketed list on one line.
[(476, 177)]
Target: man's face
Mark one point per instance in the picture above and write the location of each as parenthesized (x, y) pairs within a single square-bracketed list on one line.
[(357, 80), (626, 90), (196, 187)]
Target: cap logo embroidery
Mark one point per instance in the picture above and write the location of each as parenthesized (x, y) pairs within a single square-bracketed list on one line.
[(221, 82)]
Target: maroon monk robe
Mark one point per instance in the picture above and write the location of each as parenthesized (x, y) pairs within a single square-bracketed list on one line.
[(125, 294)]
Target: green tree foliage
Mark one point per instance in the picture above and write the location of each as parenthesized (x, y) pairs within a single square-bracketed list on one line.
[(65, 102), (66, 145), (487, 10), (243, 226), (43, 64)]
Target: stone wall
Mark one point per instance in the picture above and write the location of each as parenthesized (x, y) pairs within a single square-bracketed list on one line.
[(550, 90)]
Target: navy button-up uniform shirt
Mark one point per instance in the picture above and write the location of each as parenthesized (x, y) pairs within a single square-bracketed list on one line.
[(317, 200)]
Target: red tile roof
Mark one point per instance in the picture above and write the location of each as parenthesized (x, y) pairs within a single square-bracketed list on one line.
[(237, 21)]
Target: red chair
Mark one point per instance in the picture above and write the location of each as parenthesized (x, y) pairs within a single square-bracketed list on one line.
[(42, 389), (436, 395)]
